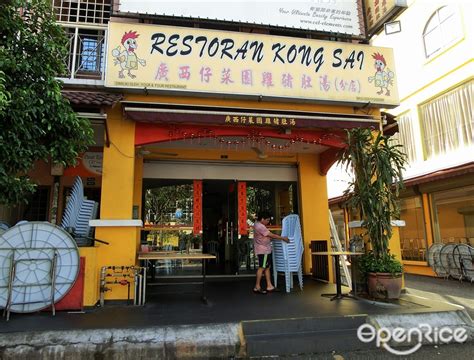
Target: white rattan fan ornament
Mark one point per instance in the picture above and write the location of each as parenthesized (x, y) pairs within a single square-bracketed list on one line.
[(434, 260), (447, 261), (464, 259)]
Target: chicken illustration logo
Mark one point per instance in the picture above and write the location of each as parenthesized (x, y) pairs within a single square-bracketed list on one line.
[(128, 59), (383, 77)]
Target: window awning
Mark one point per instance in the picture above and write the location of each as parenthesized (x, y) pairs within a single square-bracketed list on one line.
[(463, 169)]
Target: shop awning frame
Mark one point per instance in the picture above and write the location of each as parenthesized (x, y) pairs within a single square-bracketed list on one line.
[(211, 115)]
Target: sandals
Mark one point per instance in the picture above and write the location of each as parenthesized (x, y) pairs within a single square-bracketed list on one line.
[(259, 291), (275, 289)]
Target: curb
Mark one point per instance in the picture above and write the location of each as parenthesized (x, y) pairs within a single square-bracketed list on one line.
[(217, 341), (427, 326), (187, 341)]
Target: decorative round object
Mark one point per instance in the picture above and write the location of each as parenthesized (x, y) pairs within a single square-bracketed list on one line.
[(3, 227), (447, 260), (37, 259), (434, 260), (464, 259)]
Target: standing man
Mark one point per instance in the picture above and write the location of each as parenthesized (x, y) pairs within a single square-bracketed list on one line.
[(262, 239)]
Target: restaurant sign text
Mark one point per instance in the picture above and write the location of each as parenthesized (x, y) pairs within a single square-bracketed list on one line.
[(196, 60)]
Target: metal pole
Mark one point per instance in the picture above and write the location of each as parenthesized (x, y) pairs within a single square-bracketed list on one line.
[(53, 281), (102, 285)]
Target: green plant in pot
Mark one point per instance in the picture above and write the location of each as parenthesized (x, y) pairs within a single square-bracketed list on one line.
[(197, 241), (376, 167)]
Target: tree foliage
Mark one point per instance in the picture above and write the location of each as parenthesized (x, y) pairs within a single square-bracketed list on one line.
[(37, 123), (259, 199), (376, 167), (162, 201)]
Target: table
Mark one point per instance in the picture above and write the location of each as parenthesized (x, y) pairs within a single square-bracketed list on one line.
[(156, 255), (336, 254)]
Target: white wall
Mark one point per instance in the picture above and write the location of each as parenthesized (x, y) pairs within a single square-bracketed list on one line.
[(421, 79)]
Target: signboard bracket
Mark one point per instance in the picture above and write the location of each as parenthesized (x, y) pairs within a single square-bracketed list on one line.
[(363, 108)]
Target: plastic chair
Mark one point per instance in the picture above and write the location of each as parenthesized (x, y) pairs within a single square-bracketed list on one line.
[(421, 250), (79, 211), (287, 257), (406, 251), (248, 254), (213, 249), (169, 263)]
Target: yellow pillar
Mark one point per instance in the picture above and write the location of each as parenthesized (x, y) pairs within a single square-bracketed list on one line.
[(117, 199), (91, 275), (428, 221), (314, 207), (137, 194), (395, 248)]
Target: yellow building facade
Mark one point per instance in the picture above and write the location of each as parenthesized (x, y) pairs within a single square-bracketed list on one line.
[(198, 130)]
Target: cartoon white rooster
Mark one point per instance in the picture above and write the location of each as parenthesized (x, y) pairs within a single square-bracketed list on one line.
[(382, 79), (127, 58)]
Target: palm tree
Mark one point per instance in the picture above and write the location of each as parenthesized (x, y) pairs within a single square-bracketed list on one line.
[(377, 167)]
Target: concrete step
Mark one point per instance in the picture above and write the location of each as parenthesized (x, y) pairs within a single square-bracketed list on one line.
[(302, 336)]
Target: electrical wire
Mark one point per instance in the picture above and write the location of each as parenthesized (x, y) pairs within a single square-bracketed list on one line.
[(122, 153)]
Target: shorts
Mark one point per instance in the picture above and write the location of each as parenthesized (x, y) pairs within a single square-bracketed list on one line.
[(264, 260)]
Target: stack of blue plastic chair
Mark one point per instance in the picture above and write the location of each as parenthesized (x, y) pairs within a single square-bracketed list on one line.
[(79, 211), (287, 257)]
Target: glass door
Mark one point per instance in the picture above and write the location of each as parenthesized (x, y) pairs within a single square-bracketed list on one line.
[(220, 231), (234, 251)]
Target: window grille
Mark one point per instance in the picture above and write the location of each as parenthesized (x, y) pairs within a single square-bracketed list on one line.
[(82, 11), (86, 53), (37, 208)]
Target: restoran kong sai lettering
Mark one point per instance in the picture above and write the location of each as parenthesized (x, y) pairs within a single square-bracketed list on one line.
[(256, 51)]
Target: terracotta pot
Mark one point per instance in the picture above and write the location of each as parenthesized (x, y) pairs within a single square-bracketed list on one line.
[(384, 285)]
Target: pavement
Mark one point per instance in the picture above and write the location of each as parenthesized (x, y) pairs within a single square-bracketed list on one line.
[(234, 324), (448, 290), (427, 352)]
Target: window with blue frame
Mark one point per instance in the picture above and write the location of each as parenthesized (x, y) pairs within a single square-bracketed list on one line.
[(91, 51)]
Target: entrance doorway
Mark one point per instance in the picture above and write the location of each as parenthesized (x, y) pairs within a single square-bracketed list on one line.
[(220, 204), (220, 230), (227, 209)]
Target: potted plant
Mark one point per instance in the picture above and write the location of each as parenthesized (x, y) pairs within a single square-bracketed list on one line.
[(376, 167), (383, 275), (197, 241)]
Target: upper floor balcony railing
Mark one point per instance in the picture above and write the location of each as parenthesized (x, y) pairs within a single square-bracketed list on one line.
[(86, 58), (85, 23)]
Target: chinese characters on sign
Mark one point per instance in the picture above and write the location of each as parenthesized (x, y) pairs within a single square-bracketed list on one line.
[(185, 72), (318, 15), (259, 120), (380, 11)]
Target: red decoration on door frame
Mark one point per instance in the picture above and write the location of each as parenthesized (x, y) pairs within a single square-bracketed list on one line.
[(242, 207), (197, 207)]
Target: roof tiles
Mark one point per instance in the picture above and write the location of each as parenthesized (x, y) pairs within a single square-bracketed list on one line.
[(92, 98)]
